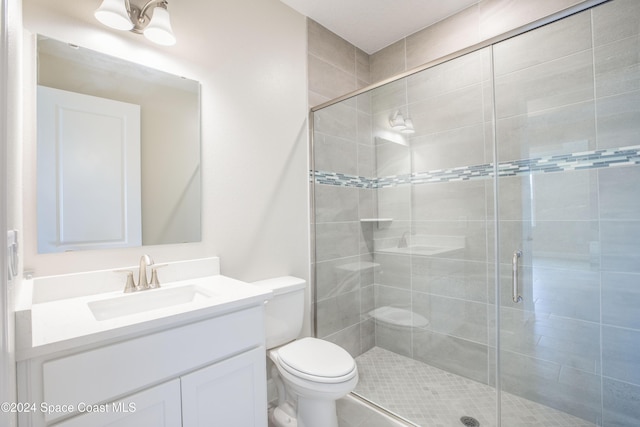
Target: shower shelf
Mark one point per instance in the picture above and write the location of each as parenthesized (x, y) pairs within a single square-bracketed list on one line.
[(376, 219)]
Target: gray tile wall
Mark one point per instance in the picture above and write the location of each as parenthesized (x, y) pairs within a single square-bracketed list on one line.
[(343, 243), (617, 91), (343, 144), (446, 295), (482, 21), (335, 66), (569, 87)]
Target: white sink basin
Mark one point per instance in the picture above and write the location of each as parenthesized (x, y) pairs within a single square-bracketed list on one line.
[(140, 302), (75, 316)]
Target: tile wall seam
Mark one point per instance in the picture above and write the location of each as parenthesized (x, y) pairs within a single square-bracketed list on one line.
[(549, 109), (547, 62), (600, 365), (318, 56), (335, 67), (355, 67)]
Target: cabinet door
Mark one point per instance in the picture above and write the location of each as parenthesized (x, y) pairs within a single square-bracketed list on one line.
[(229, 393), (155, 407)]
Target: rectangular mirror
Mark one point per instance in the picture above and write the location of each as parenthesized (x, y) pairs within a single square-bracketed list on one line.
[(118, 152)]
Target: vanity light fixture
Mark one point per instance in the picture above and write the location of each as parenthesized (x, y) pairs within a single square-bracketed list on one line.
[(122, 15), (399, 123)]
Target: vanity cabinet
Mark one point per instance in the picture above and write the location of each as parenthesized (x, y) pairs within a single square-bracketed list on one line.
[(207, 372), (229, 392), (157, 406), (224, 392)]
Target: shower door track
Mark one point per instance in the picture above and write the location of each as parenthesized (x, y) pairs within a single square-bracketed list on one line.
[(382, 410)]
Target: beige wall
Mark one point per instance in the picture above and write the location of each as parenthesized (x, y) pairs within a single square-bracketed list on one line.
[(252, 67)]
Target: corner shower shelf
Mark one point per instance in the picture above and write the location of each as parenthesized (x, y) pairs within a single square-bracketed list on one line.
[(379, 222), (376, 219)]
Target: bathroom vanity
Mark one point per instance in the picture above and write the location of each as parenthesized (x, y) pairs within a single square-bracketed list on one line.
[(187, 354)]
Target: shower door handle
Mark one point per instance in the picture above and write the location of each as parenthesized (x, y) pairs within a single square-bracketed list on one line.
[(514, 276)]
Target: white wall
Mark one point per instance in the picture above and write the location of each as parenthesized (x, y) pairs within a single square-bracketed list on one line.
[(9, 193), (250, 56)]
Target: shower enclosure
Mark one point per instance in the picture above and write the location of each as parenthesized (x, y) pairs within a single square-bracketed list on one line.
[(477, 230)]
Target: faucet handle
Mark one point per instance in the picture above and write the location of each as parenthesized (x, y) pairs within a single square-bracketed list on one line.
[(131, 285), (155, 283)]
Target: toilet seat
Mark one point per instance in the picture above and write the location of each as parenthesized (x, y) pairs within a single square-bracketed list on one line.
[(317, 360)]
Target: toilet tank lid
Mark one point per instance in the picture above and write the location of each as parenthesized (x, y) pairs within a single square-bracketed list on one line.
[(282, 285)]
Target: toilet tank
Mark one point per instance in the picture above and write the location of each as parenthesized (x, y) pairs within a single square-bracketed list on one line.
[(285, 311)]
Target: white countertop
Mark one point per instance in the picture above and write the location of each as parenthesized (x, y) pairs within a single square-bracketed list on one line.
[(53, 326)]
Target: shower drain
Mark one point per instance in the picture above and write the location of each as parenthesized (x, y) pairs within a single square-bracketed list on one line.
[(469, 422)]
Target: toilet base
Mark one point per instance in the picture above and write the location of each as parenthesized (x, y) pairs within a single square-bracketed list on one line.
[(281, 416), (311, 413), (317, 412)]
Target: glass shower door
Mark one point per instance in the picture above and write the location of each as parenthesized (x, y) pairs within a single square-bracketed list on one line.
[(567, 99), (488, 256), (403, 194)]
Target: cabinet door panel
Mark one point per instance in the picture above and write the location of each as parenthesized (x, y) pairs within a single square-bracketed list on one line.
[(229, 393), (89, 192), (155, 407)]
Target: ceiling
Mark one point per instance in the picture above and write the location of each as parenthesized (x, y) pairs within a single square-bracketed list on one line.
[(374, 24)]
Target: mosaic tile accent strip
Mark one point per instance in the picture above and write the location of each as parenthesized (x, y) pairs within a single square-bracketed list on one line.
[(342, 180), (594, 159), (464, 173), (431, 397), (574, 161), (392, 181)]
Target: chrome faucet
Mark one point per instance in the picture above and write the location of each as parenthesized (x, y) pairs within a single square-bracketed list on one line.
[(143, 283)]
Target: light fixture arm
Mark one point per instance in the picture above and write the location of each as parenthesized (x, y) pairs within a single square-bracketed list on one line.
[(139, 17), (159, 3), (154, 24)]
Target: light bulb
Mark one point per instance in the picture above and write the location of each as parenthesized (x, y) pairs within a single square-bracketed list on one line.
[(114, 14), (159, 29)]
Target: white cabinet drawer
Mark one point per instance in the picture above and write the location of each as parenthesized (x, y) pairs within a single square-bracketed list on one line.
[(110, 372)]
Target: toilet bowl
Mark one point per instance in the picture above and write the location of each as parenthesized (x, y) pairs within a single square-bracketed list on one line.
[(315, 374), (310, 374)]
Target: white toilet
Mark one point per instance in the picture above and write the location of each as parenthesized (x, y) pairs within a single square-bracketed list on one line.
[(310, 373)]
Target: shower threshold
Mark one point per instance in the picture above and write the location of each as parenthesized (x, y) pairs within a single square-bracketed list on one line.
[(432, 397)]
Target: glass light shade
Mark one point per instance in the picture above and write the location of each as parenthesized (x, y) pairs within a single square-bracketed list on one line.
[(397, 122), (159, 29), (408, 123), (113, 13)]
